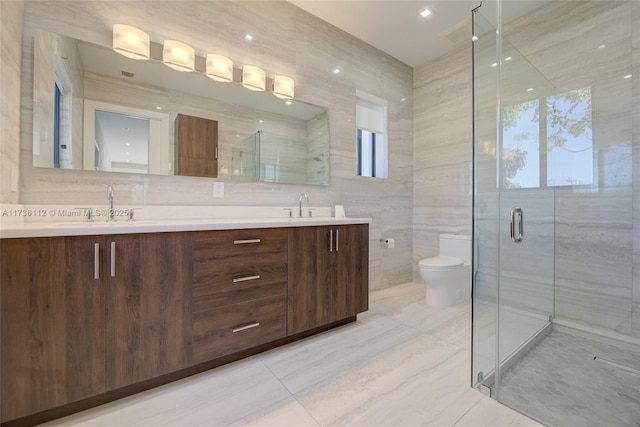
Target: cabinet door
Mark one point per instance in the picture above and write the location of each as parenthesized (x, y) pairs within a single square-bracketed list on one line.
[(328, 275), (310, 278), (351, 263), (196, 141), (52, 322), (147, 279)]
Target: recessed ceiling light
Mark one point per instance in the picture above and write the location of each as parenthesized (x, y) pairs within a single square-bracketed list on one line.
[(288, 102), (126, 152), (425, 13), (602, 46), (530, 89), (508, 58), (628, 76), (474, 38), (403, 99), (336, 71), (261, 121), (127, 129), (248, 37), (128, 144), (495, 64), (158, 108)]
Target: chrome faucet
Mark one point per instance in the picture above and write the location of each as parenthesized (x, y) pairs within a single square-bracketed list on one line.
[(302, 195), (112, 216)]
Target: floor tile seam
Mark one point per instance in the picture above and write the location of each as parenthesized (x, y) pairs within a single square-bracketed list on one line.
[(461, 417), (291, 394), (257, 358)]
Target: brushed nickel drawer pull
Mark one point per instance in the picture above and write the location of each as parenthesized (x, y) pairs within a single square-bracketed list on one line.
[(96, 261), (243, 242), (244, 279), (244, 328)]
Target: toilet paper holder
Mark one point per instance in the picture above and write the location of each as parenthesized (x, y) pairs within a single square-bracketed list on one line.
[(389, 243)]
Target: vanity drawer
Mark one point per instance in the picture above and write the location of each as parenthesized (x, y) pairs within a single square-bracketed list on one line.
[(236, 327), (226, 243), (240, 278)]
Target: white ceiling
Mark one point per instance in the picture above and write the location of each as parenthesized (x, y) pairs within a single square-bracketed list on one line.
[(396, 27)]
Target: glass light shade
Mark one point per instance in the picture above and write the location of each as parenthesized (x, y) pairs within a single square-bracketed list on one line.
[(130, 41), (178, 55), (283, 87), (219, 68), (253, 78)]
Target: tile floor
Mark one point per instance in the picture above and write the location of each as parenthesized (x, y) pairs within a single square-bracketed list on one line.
[(402, 363)]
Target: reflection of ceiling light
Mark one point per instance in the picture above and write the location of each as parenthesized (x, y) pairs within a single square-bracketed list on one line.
[(403, 99), (283, 86), (158, 108), (602, 46), (474, 38), (127, 144), (130, 41), (253, 78), (288, 102), (219, 68), (495, 64), (126, 153), (178, 55), (336, 71), (248, 37), (628, 76), (530, 89), (261, 121), (508, 58), (425, 13)]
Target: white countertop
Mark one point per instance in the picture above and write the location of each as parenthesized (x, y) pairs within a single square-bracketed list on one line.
[(147, 223)]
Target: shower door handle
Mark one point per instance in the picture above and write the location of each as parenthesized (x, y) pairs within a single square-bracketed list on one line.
[(517, 215)]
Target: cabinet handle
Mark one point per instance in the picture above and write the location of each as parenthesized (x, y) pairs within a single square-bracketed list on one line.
[(244, 279), (113, 259), (337, 240), (244, 328), (244, 242), (330, 240), (96, 261)]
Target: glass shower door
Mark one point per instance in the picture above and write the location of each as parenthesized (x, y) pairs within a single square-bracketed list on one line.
[(513, 208)]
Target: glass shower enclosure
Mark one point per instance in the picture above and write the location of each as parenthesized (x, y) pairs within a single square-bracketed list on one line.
[(556, 126)]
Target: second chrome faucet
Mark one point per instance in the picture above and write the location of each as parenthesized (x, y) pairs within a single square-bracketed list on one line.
[(302, 196)]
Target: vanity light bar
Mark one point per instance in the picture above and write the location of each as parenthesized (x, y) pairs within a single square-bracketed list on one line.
[(134, 43)]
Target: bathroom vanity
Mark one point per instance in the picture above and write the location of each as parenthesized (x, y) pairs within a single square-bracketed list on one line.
[(94, 313)]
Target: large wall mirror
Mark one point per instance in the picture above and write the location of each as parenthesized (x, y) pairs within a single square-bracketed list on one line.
[(95, 109)]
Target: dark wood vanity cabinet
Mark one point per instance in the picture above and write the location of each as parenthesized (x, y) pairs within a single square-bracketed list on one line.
[(53, 326), (328, 275), (196, 146), (89, 319), (85, 315)]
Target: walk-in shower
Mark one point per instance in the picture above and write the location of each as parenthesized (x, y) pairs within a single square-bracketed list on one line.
[(556, 126)]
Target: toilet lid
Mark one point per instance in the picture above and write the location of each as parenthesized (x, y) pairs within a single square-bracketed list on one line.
[(441, 262)]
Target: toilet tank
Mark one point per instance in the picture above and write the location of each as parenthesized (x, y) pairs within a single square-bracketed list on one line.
[(456, 245)]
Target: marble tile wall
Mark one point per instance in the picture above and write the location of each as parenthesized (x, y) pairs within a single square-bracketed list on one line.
[(287, 40), (10, 67), (442, 151)]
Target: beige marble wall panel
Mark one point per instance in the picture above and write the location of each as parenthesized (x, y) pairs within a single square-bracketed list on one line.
[(10, 60), (593, 258), (442, 151), (289, 41)]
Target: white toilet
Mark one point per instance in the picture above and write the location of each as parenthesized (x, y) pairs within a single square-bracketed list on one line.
[(448, 275)]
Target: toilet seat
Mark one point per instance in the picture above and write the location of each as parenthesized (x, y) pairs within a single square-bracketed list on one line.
[(442, 262)]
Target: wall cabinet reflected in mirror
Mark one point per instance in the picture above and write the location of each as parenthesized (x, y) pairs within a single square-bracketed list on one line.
[(97, 110)]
